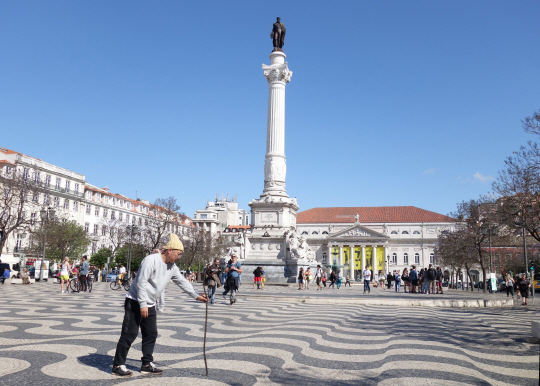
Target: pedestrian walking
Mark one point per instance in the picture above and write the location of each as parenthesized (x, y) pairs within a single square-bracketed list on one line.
[(432, 277), (213, 272), (509, 286), (524, 286), (366, 274), (406, 279), (155, 272), (234, 269), (339, 279), (318, 277), (439, 280), (324, 278), (413, 276), (381, 281), (397, 281), (64, 275), (332, 279), (307, 278), (263, 278), (347, 280), (301, 278), (257, 277)]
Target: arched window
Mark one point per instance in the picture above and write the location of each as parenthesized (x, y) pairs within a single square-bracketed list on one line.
[(393, 233), (314, 233), (404, 233), (305, 233), (431, 258), (416, 258), (394, 258), (416, 233), (405, 258), (325, 233)]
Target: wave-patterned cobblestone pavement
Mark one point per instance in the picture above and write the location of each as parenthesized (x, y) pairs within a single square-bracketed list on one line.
[(49, 338)]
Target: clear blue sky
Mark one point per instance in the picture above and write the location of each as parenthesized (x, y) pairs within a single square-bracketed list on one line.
[(391, 102)]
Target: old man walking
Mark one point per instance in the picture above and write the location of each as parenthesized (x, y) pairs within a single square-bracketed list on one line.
[(155, 272)]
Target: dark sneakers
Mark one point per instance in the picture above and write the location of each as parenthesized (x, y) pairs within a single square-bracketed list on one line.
[(121, 371), (151, 369)]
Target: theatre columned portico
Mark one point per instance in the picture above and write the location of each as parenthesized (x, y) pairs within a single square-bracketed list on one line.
[(354, 248)]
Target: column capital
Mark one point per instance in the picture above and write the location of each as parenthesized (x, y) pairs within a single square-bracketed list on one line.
[(277, 73)]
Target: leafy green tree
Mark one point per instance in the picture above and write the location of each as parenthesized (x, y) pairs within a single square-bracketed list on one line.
[(100, 258), (138, 253), (65, 239)]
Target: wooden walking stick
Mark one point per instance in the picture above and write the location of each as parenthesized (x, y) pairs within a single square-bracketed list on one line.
[(205, 324)]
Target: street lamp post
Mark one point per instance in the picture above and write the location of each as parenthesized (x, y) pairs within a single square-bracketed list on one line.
[(46, 215), (132, 230), (489, 229)]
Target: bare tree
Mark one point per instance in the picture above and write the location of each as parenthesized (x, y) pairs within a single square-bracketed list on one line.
[(22, 196), (162, 219), (113, 233), (203, 246)]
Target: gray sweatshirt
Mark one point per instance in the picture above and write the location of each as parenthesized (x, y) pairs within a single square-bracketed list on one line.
[(152, 278)]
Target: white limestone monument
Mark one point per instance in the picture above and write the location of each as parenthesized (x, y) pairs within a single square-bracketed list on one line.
[(273, 242)]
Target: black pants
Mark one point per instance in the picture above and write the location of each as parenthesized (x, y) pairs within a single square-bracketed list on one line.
[(84, 285), (509, 291), (130, 330)]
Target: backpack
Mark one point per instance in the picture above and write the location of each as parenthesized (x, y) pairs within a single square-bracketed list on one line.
[(431, 274)]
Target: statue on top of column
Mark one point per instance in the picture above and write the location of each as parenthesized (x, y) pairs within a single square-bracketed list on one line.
[(278, 35)]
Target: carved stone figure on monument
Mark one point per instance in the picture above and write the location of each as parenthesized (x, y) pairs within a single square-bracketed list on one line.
[(357, 218), (239, 240), (278, 35)]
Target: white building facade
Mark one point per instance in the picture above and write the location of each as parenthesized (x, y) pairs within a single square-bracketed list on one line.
[(219, 215)]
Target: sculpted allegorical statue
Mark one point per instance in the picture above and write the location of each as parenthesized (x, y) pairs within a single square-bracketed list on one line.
[(278, 35)]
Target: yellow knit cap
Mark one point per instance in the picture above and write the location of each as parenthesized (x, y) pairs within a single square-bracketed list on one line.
[(174, 243)]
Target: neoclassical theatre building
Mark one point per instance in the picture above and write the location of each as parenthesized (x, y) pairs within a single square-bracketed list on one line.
[(383, 238)]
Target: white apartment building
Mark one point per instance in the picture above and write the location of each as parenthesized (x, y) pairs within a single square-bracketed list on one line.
[(96, 209), (220, 214)]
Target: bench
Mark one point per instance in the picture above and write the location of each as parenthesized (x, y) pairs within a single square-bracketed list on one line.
[(14, 280)]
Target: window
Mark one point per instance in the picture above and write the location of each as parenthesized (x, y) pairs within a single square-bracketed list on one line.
[(35, 198), (304, 233), (404, 233), (33, 218), (75, 206), (114, 201), (87, 227), (113, 215), (46, 199), (106, 199), (66, 204), (74, 222), (68, 183), (58, 181), (405, 258), (120, 216), (96, 227), (76, 188), (88, 208), (94, 248), (416, 233), (204, 216), (105, 213), (88, 195), (416, 258), (314, 233), (431, 258), (145, 221), (127, 218), (48, 180), (140, 221), (96, 211), (36, 177), (26, 171), (103, 230), (394, 258), (325, 233), (393, 233), (56, 202)]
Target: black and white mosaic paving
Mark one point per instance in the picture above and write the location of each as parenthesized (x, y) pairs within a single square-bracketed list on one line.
[(50, 338)]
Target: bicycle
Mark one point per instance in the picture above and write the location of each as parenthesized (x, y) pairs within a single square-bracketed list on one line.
[(118, 284), (75, 284)]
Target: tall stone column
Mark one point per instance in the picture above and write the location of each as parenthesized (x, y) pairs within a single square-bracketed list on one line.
[(275, 169)]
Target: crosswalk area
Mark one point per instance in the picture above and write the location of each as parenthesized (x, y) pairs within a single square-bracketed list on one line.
[(47, 337)]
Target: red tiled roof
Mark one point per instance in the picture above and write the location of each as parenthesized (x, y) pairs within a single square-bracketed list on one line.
[(375, 214)]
